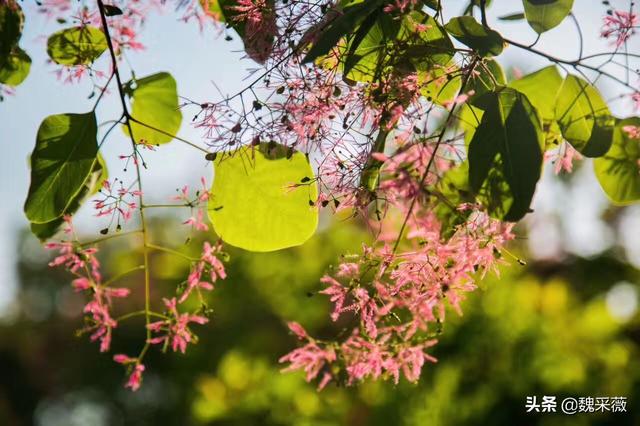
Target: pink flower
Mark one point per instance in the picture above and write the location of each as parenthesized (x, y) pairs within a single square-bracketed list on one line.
[(619, 25), (298, 330), (633, 132), (635, 98), (135, 379), (176, 328), (337, 293), (197, 222), (123, 359), (208, 261), (310, 358)]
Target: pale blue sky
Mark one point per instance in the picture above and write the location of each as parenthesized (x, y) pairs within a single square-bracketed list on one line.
[(196, 59)]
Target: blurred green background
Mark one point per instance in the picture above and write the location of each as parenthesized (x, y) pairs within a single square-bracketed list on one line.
[(563, 327), (566, 324)]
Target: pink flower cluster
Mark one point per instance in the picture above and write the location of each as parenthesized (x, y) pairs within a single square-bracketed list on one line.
[(116, 201), (135, 370), (124, 29), (619, 25), (397, 297), (208, 263), (175, 329), (198, 202), (84, 265)]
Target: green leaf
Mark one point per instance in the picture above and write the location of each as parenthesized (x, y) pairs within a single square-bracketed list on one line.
[(489, 78), (425, 48), (11, 25), (541, 88), (619, 170), (213, 8), (584, 117), (341, 26), (543, 15), (512, 17), (468, 31), (441, 84), (507, 145), (76, 46), (154, 102), (111, 10), (257, 38), (64, 156), (253, 205), (368, 54), (396, 47), (452, 189), (16, 68), (94, 182)]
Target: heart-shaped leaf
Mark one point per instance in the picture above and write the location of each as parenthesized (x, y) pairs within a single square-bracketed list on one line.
[(618, 171), (543, 15), (253, 204), (154, 102), (76, 46), (63, 158), (584, 117), (506, 152), (468, 31), (16, 68)]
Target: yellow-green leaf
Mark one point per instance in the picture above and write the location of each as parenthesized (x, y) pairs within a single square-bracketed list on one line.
[(63, 158), (584, 117), (154, 101), (543, 15), (253, 204), (619, 170), (76, 46)]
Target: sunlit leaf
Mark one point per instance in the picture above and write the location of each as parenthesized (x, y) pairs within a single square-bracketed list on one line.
[(91, 186), (154, 101), (76, 46), (490, 76), (253, 205), (541, 88), (584, 117), (619, 170), (16, 68), (342, 25), (485, 41), (398, 47), (543, 15), (11, 24), (63, 158), (451, 190), (427, 43), (111, 10), (512, 17), (442, 84), (257, 36), (508, 139)]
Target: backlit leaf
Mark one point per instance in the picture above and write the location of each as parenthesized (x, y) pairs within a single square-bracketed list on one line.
[(91, 186), (543, 15), (16, 67), (618, 171), (467, 30), (154, 101), (11, 24), (63, 158), (584, 117), (76, 46), (507, 149), (253, 205)]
